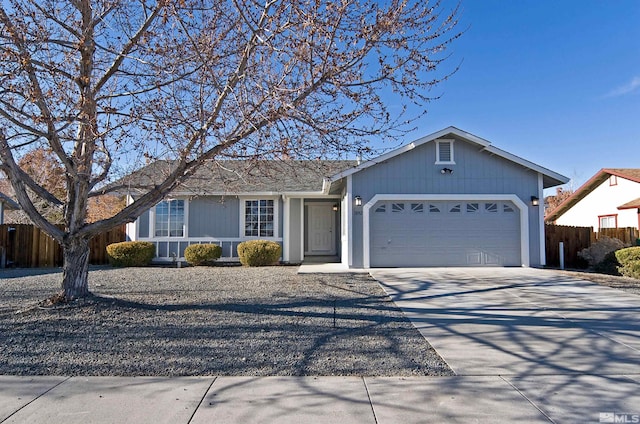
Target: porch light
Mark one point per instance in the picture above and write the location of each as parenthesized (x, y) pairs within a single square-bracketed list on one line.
[(335, 207), (535, 201), (358, 200)]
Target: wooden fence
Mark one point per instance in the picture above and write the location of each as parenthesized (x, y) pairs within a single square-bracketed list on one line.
[(577, 238), (27, 246)]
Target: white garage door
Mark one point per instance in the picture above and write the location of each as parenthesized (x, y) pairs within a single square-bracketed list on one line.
[(439, 233)]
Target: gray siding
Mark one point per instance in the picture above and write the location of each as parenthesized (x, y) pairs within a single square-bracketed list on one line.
[(143, 225), (295, 235), (212, 217), (475, 172)]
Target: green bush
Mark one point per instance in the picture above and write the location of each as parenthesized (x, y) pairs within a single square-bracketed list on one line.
[(131, 253), (202, 254), (629, 260), (259, 252)]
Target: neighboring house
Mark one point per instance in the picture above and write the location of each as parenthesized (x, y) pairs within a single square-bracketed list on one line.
[(6, 203), (447, 199), (610, 199)]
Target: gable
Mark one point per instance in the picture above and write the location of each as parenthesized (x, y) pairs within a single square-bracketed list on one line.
[(421, 170), (459, 137)]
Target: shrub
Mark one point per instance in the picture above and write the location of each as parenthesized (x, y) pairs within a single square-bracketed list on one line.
[(609, 265), (259, 252), (629, 260), (131, 253), (595, 253), (202, 254)]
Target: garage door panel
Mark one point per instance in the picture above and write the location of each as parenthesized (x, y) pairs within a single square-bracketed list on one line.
[(480, 234)]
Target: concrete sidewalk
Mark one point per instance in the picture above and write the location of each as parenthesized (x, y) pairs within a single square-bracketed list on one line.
[(344, 400)]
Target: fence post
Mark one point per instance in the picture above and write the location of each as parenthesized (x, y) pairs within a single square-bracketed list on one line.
[(561, 248)]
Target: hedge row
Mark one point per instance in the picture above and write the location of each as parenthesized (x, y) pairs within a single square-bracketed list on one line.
[(141, 253)]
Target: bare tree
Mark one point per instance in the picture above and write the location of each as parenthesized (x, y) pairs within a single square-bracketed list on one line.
[(103, 83)]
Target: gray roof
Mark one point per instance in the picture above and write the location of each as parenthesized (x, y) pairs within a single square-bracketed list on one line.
[(238, 176)]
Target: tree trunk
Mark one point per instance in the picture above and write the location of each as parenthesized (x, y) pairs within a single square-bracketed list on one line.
[(75, 268)]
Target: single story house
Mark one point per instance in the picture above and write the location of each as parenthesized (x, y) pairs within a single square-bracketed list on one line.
[(448, 199), (609, 199), (6, 203)]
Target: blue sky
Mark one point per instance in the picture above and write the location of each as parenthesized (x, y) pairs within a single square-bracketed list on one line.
[(555, 82)]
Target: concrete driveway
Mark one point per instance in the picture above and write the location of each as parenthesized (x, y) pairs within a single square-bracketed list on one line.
[(570, 347)]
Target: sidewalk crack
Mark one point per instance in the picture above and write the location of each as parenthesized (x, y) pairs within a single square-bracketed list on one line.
[(373, 410)]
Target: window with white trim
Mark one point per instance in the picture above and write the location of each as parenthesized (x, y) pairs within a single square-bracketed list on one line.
[(444, 152), (608, 221), (169, 219), (259, 218)]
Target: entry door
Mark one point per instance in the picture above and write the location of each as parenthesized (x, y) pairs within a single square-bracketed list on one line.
[(321, 230)]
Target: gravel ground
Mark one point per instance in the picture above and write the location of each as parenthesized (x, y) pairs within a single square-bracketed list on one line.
[(209, 321), (629, 285)]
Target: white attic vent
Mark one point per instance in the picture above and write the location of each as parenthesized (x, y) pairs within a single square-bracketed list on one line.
[(444, 152)]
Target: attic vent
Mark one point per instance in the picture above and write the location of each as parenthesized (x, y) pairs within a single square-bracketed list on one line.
[(444, 152)]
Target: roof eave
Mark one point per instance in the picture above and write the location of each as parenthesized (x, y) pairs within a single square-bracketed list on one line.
[(578, 195)]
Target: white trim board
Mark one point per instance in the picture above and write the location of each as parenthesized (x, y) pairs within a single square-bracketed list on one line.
[(524, 217)]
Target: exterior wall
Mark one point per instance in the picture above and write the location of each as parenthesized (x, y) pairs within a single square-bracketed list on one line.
[(604, 200), (295, 232), (143, 225), (214, 216), (474, 172), (209, 219)]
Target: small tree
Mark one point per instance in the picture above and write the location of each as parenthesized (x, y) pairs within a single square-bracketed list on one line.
[(102, 83)]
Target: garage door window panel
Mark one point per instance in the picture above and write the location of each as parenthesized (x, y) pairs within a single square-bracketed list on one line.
[(491, 207), (397, 207)]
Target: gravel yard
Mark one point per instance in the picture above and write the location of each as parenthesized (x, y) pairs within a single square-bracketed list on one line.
[(209, 321)]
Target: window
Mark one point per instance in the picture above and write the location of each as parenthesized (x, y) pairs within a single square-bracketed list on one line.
[(456, 208), (397, 207), (258, 218), (417, 207), (608, 221), (382, 208), (434, 209), (169, 218), (444, 152), (613, 180), (491, 207), (473, 207), (507, 208)]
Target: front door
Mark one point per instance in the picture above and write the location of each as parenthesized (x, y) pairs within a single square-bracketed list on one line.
[(321, 229)]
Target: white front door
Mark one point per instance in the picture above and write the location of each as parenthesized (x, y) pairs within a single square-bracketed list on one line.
[(321, 229)]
